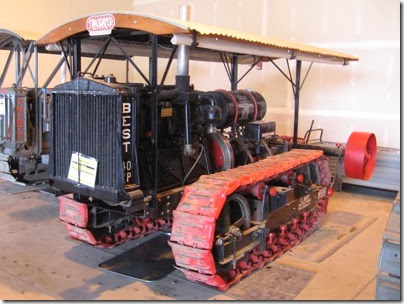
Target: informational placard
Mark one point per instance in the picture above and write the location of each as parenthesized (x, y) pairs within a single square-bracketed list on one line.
[(2, 105), (100, 24), (83, 169)]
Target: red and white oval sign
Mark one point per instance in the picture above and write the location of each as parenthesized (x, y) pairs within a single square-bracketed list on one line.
[(100, 24)]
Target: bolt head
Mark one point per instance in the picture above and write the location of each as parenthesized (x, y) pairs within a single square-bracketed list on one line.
[(300, 178)]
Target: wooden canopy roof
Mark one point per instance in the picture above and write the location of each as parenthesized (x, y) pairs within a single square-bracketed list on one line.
[(246, 43)]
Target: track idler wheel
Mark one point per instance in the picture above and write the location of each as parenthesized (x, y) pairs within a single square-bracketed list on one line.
[(360, 155)]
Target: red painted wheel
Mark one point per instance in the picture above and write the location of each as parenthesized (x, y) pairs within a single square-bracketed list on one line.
[(360, 155), (222, 152)]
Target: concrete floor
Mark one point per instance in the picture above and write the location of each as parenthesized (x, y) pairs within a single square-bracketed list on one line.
[(38, 262)]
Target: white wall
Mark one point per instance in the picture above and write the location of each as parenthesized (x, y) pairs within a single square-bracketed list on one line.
[(362, 96), (41, 16)]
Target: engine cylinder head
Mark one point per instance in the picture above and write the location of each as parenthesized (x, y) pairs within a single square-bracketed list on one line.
[(239, 107)]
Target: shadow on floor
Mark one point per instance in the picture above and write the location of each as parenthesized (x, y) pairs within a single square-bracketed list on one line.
[(388, 194)]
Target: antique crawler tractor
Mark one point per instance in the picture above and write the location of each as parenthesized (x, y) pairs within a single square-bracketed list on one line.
[(130, 159), (25, 111), (24, 124)]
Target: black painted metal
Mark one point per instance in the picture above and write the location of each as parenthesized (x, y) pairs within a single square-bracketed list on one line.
[(76, 58), (234, 73), (296, 87), (66, 59), (127, 70), (99, 54), (154, 117), (308, 134), (305, 76), (223, 57), (290, 75), (101, 57), (130, 60), (87, 119), (187, 129), (282, 72), (249, 70), (170, 60), (288, 209), (297, 96)]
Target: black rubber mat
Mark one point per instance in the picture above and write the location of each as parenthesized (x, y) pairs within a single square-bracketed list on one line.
[(149, 261)]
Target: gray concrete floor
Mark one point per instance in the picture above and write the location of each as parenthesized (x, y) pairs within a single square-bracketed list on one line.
[(38, 262)]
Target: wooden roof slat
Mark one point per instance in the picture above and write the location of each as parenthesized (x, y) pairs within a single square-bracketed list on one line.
[(162, 26)]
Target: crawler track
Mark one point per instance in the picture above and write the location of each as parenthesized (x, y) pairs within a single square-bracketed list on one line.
[(193, 231), (75, 215)]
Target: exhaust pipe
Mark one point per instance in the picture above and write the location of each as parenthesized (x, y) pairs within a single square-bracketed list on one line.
[(182, 80), (183, 50)]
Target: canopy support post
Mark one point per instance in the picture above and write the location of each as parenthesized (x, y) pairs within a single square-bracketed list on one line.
[(154, 117), (297, 96), (17, 63), (38, 110), (7, 65), (76, 58), (127, 71), (234, 73)]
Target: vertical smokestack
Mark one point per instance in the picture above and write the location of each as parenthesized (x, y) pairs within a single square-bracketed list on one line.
[(182, 82), (183, 50)]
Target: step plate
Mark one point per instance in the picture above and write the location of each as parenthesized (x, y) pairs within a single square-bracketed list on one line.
[(148, 262)]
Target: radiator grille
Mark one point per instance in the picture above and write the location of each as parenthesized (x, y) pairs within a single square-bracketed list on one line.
[(88, 124)]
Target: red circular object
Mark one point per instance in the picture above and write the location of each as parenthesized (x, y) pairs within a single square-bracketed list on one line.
[(360, 155), (272, 192), (300, 178), (283, 227), (330, 192), (243, 265), (217, 153)]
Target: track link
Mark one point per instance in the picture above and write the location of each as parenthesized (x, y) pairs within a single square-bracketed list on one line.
[(75, 217), (194, 220)]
